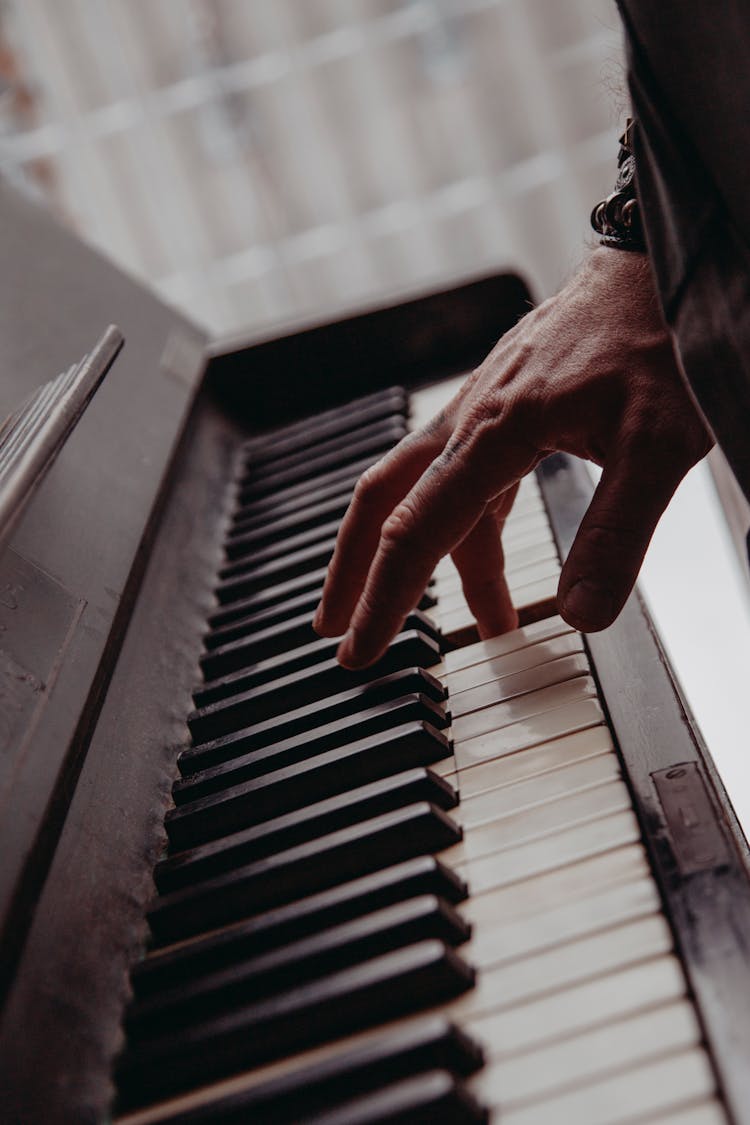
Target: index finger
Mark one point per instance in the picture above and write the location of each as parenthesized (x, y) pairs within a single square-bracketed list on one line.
[(439, 512), (378, 491)]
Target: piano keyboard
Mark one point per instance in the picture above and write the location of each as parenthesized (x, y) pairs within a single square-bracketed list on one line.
[(335, 937)]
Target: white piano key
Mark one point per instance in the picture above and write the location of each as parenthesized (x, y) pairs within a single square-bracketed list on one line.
[(592, 959), (450, 594), (506, 1082), (541, 554), (625, 865), (529, 547), (530, 544), (520, 520), (525, 554), (481, 651), (529, 732), (596, 1003), (507, 687), (595, 955), (496, 937), (453, 610), (493, 717), (508, 799), (519, 826), (426, 402), (520, 660), (457, 622), (526, 503), (460, 621), (446, 768), (545, 590), (556, 888), (532, 530), (548, 853), (636, 1094), (529, 532), (536, 762)]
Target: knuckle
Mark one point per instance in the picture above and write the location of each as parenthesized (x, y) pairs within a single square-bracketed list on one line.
[(369, 485), (399, 526)]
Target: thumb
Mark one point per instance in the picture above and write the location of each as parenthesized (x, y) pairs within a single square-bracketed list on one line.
[(608, 549)]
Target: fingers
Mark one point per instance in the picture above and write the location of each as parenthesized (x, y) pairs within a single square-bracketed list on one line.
[(611, 542), (441, 510), (480, 562), (438, 512), (377, 493)]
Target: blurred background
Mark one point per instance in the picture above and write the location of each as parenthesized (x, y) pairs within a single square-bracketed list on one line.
[(261, 160)]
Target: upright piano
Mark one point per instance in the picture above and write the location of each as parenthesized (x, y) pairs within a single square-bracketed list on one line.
[(482, 881)]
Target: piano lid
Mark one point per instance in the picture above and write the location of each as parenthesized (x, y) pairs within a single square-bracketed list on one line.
[(72, 564)]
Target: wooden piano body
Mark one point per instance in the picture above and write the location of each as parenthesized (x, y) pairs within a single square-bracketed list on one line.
[(104, 593)]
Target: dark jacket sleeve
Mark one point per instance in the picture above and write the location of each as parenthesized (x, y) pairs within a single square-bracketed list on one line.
[(690, 88)]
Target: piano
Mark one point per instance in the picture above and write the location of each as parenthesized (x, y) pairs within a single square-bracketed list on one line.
[(483, 881)]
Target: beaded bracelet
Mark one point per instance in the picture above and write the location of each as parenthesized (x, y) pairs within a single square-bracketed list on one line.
[(617, 218)]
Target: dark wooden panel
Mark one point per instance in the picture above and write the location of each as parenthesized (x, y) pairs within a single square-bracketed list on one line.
[(271, 380), (87, 528), (89, 925)]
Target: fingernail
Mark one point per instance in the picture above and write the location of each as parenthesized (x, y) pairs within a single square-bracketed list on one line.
[(317, 621), (588, 607)]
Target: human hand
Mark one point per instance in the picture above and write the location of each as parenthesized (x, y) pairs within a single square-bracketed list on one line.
[(591, 372)]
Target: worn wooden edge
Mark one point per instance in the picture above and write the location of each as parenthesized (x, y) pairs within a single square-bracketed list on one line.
[(89, 925), (86, 531), (708, 908)]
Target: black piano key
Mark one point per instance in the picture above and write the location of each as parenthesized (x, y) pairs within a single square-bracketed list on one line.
[(233, 591), (306, 822), (308, 684), (294, 965), (271, 640), (243, 540), (380, 439), (252, 734), (249, 579), (314, 779), (336, 449), (434, 1098), (277, 755), (341, 856), (241, 654), (248, 521), (232, 667), (394, 396), (165, 967), (335, 453), (238, 553), (425, 1045), (386, 987), (242, 614), (318, 428), (227, 624), (294, 496)]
